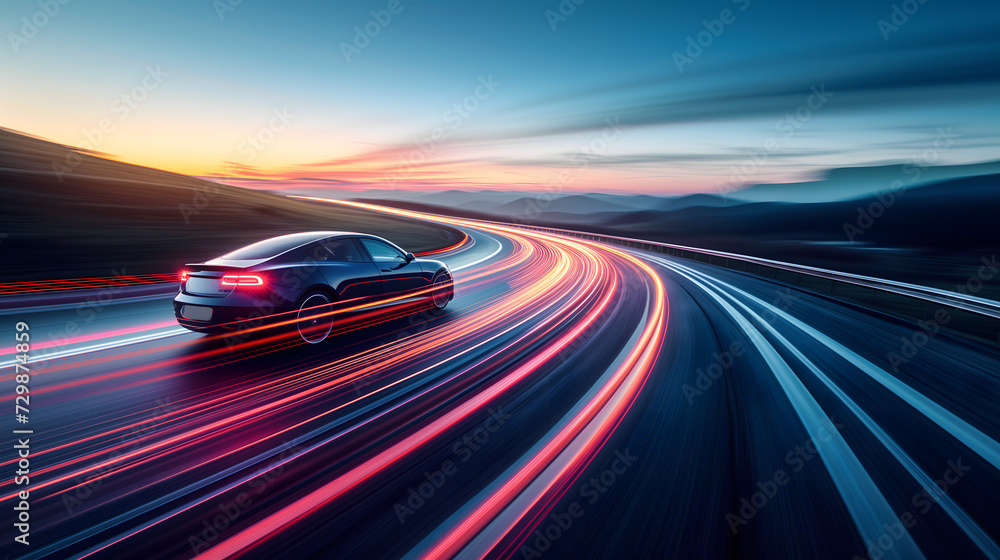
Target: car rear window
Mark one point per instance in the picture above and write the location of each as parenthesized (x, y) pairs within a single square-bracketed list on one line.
[(270, 247)]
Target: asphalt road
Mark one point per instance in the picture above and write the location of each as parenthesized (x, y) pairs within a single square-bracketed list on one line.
[(574, 401)]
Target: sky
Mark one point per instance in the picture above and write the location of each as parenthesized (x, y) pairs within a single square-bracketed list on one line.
[(651, 97)]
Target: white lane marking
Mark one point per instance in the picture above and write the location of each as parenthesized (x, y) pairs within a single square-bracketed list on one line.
[(873, 282), (868, 507), (83, 304), (45, 356), (486, 258), (961, 518), (969, 435)]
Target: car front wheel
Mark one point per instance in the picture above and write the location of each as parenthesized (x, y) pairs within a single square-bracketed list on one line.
[(441, 291)]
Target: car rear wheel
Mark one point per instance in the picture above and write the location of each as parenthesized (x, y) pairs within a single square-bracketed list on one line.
[(315, 317), (441, 291)]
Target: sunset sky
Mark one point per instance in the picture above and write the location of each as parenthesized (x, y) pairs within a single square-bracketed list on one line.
[(605, 96)]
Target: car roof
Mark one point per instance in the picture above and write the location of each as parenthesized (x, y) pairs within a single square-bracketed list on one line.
[(308, 236), (284, 243), (329, 234)]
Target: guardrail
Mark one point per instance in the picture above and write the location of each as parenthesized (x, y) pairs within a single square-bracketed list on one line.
[(966, 316)]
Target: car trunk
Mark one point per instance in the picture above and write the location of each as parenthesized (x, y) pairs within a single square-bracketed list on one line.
[(206, 280)]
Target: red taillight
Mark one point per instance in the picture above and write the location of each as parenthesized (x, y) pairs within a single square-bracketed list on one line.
[(242, 280), (184, 276)]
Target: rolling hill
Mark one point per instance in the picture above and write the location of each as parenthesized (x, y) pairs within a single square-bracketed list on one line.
[(65, 213)]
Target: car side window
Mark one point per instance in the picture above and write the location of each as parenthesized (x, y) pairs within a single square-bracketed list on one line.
[(316, 252), (382, 252), (343, 250)]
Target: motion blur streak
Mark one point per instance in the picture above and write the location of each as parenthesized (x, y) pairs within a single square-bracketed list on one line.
[(959, 516), (868, 507), (432, 344), (107, 334), (551, 292), (580, 438), (7, 288), (412, 434), (633, 371), (464, 243)]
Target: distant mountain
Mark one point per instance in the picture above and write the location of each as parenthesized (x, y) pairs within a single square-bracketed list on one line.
[(462, 198), (854, 182), (570, 204), (957, 213), (693, 200), (937, 234), (636, 201)]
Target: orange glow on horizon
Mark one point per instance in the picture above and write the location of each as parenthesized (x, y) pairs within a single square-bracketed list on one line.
[(397, 168)]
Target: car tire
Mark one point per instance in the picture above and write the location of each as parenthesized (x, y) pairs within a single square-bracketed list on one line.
[(315, 318), (442, 290)]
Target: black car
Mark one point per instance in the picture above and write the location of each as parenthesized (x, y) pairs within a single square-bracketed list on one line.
[(298, 279)]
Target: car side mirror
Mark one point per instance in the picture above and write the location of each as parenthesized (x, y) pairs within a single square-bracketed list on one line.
[(409, 257)]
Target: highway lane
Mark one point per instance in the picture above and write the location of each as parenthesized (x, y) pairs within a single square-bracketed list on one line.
[(771, 474), (575, 401), (142, 434)]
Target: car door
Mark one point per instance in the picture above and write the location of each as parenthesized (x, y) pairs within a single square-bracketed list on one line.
[(346, 268), (398, 274)]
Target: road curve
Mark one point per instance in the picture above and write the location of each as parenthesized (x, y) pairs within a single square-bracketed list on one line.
[(576, 400)]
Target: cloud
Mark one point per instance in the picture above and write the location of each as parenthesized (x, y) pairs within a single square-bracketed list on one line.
[(944, 67), (932, 77), (656, 159)]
